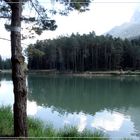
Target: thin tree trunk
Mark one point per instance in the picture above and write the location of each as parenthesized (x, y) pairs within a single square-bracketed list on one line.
[(18, 75)]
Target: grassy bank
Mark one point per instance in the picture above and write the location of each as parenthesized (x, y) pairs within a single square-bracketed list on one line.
[(37, 129)]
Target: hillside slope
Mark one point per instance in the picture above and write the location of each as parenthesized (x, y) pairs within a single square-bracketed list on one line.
[(128, 30)]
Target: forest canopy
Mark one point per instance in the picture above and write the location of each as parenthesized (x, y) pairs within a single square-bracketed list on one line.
[(86, 52)]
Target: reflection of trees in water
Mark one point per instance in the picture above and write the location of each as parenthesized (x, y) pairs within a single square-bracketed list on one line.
[(89, 95), (5, 76)]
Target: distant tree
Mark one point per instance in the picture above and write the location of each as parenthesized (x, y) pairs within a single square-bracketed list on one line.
[(86, 53), (6, 64)]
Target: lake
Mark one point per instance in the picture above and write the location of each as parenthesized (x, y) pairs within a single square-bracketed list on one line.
[(110, 104)]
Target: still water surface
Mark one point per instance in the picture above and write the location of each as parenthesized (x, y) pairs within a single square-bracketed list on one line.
[(110, 104)]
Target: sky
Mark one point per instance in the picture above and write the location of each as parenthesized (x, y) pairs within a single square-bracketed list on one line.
[(102, 17)]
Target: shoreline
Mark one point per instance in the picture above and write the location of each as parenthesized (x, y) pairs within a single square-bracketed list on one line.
[(86, 73), (5, 71)]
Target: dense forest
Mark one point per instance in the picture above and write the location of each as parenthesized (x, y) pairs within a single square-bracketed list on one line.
[(5, 64), (86, 52)]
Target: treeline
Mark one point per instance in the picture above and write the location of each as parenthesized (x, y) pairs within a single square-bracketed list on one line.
[(85, 53), (5, 64)]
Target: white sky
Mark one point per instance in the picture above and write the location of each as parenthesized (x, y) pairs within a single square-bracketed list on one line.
[(102, 17)]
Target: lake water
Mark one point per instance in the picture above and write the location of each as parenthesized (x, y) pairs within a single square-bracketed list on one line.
[(110, 104)]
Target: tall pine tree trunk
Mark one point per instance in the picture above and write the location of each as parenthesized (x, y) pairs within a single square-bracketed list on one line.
[(18, 75)]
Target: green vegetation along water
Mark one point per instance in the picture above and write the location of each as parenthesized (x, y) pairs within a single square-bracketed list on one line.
[(110, 103), (37, 130)]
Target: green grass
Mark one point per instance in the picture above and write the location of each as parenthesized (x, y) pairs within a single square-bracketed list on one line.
[(36, 128), (72, 133), (6, 121)]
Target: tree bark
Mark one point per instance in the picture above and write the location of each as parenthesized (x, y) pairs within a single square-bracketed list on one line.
[(18, 75)]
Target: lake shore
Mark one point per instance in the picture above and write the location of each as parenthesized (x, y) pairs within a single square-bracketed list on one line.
[(86, 73), (5, 71)]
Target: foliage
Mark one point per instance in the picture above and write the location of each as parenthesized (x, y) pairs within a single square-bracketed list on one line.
[(70, 132), (41, 19), (85, 53), (6, 121)]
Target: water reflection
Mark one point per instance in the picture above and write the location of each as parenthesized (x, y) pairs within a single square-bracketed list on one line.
[(90, 95), (6, 98), (108, 103)]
